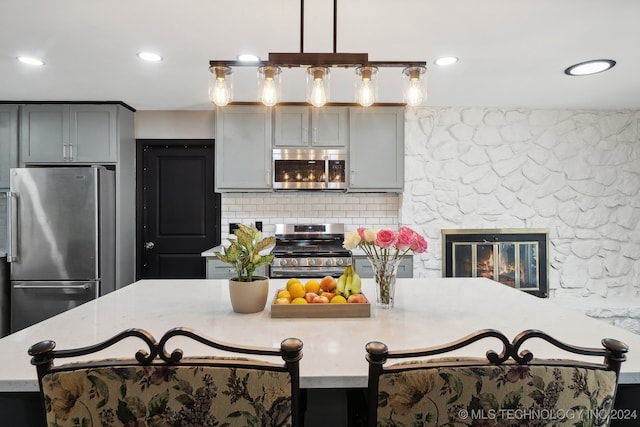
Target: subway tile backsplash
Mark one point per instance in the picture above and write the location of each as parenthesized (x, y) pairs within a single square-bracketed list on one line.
[(353, 209)]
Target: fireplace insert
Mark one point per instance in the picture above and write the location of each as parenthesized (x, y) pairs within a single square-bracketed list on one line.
[(514, 257)]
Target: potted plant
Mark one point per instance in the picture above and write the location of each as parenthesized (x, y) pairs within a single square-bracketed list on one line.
[(247, 251)]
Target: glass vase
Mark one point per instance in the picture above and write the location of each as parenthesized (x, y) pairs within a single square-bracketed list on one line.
[(384, 273)]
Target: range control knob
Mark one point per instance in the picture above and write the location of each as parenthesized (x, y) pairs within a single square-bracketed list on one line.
[(283, 262), (294, 262), (312, 261), (328, 262), (340, 261)]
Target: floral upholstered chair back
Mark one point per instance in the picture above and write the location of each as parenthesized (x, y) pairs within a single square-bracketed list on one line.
[(510, 389), (211, 391)]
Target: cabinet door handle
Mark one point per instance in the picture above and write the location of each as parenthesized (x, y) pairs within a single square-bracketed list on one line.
[(64, 151), (315, 135), (305, 135), (70, 152), (12, 229)]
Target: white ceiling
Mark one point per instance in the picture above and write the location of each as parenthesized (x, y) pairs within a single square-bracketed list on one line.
[(512, 52)]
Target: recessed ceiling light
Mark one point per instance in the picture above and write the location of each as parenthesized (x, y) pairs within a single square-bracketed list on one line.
[(590, 67), (247, 57), (446, 60), (149, 56), (30, 60)]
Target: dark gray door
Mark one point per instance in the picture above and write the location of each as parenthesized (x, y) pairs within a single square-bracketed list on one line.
[(178, 211)]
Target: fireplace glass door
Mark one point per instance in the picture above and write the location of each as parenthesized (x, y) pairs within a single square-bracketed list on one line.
[(516, 258)]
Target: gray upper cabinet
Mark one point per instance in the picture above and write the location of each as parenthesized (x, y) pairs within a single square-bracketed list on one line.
[(376, 149), (243, 148), (8, 142), (302, 126), (68, 133)]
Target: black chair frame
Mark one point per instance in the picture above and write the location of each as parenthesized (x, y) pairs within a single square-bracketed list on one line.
[(43, 355), (378, 354)]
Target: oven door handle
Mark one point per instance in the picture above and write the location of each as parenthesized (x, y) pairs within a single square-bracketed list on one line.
[(306, 273)]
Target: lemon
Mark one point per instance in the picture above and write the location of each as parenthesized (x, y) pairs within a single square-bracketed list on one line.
[(312, 286), (284, 294), (338, 299), (296, 290), (292, 281), (299, 300)]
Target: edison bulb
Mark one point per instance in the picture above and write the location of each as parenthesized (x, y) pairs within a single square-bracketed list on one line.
[(269, 95), (366, 93), (318, 96), (220, 93), (413, 94)]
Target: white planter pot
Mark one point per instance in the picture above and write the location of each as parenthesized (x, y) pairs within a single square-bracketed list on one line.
[(249, 297)]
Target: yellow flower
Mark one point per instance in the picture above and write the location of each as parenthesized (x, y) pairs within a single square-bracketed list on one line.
[(370, 235), (351, 240), (64, 390), (414, 385)]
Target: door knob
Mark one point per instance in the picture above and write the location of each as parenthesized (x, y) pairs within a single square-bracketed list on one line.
[(149, 245)]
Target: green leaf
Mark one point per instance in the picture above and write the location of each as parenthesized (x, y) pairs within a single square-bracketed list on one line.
[(102, 388), (383, 399), (186, 400), (158, 403), (455, 384), (123, 413), (512, 399)]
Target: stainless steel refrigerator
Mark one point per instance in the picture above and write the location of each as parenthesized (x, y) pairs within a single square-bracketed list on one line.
[(61, 239)]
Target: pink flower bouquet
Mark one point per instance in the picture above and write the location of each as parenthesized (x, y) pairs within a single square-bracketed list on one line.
[(385, 248), (385, 244)]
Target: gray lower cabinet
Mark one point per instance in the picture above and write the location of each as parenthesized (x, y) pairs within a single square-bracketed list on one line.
[(243, 148), (363, 267), (217, 269), (8, 142), (376, 149), (68, 133)]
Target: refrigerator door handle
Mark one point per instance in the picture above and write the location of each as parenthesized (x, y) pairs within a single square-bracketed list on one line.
[(12, 229), (85, 286)]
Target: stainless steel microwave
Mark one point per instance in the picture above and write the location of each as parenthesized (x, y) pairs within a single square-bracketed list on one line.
[(309, 169)]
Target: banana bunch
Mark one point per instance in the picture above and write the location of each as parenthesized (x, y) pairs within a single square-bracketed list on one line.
[(349, 283)]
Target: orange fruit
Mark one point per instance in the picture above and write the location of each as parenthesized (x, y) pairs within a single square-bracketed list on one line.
[(312, 286), (296, 290), (292, 281), (299, 300), (338, 299)]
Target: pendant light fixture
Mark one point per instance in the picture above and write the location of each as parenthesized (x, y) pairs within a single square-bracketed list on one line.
[(414, 87), (366, 85), (221, 87), (269, 85), (318, 71), (318, 92)]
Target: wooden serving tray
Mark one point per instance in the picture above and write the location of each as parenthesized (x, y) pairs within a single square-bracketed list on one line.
[(319, 310)]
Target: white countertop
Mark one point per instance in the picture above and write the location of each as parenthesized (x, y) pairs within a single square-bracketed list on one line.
[(428, 312)]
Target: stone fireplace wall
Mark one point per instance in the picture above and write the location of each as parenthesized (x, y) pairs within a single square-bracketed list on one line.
[(576, 173)]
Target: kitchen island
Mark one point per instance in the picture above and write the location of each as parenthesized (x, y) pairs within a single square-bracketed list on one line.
[(427, 312)]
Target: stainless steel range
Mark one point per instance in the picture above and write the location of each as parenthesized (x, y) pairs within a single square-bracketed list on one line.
[(309, 250)]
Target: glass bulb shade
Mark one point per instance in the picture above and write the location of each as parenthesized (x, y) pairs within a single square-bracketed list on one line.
[(366, 85), (221, 86), (269, 85), (414, 85), (318, 91)]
